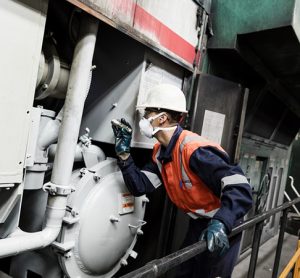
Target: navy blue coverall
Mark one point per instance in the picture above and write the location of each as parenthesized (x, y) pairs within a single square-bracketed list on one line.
[(211, 166)]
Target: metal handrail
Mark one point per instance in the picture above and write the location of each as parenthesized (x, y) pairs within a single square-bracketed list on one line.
[(158, 267)]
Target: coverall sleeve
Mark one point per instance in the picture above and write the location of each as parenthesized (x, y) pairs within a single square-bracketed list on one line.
[(140, 181), (227, 181)]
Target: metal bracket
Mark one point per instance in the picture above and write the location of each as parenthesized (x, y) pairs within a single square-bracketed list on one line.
[(64, 247), (141, 223), (55, 189), (70, 220)]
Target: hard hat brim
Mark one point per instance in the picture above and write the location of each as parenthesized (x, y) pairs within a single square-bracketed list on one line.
[(143, 106)]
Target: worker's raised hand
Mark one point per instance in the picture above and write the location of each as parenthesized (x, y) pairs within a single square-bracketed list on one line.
[(123, 133), (216, 237)]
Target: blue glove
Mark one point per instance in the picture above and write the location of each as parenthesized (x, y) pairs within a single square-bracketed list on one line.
[(123, 133), (216, 237)]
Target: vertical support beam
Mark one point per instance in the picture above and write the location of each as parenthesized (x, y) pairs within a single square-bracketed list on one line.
[(280, 243), (255, 106), (201, 32), (241, 127), (255, 248)]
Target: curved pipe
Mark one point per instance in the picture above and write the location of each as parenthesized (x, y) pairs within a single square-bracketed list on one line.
[(92, 150), (293, 187), (67, 141), (49, 133), (20, 241)]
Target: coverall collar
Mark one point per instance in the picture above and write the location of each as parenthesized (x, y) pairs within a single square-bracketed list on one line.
[(166, 153)]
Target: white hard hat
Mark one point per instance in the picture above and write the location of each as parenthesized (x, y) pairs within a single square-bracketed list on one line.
[(165, 96)]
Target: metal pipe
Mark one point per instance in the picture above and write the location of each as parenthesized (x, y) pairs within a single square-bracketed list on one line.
[(93, 150), (67, 141), (73, 108), (160, 266), (293, 187), (20, 241), (294, 207), (49, 134), (258, 218), (255, 247), (52, 151), (280, 243)]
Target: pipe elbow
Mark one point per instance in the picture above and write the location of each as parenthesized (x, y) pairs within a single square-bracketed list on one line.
[(49, 235)]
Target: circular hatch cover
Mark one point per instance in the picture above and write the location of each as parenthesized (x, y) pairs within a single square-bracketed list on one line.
[(102, 223)]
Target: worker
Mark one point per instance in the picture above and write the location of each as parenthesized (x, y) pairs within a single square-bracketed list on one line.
[(197, 176)]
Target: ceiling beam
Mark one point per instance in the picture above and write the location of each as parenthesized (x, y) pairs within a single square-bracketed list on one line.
[(274, 84)]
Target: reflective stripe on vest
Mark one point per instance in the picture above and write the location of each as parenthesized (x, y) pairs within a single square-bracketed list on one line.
[(157, 160), (188, 139), (185, 191)]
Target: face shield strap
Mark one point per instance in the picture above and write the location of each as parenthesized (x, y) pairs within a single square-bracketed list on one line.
[(151, 119), (155, 130), (148, 130)]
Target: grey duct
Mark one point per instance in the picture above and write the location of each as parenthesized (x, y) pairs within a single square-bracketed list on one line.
[(53, 75), (20, 241), (91, 155)]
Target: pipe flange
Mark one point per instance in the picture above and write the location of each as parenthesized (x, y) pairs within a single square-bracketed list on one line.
[(55, 189)]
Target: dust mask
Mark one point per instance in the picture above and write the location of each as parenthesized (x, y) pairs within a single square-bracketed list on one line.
[(148, 130)]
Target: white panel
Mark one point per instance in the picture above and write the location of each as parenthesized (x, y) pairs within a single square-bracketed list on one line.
[(168, 26), (178, 15), (21, 27), (120, 11), (157, 72)]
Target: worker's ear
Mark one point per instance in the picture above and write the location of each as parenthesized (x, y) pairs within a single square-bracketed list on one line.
[(163, 118)]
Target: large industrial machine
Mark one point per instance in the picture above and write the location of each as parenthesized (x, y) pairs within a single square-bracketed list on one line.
[(69, 67)]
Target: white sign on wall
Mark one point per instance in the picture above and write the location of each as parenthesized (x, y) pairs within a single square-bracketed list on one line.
[(155, 75), (155, 71), (213, 125)]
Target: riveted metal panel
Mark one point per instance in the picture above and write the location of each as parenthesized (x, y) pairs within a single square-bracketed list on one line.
[(22, 27)]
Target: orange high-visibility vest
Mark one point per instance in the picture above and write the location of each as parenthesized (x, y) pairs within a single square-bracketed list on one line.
[(184, 187)]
